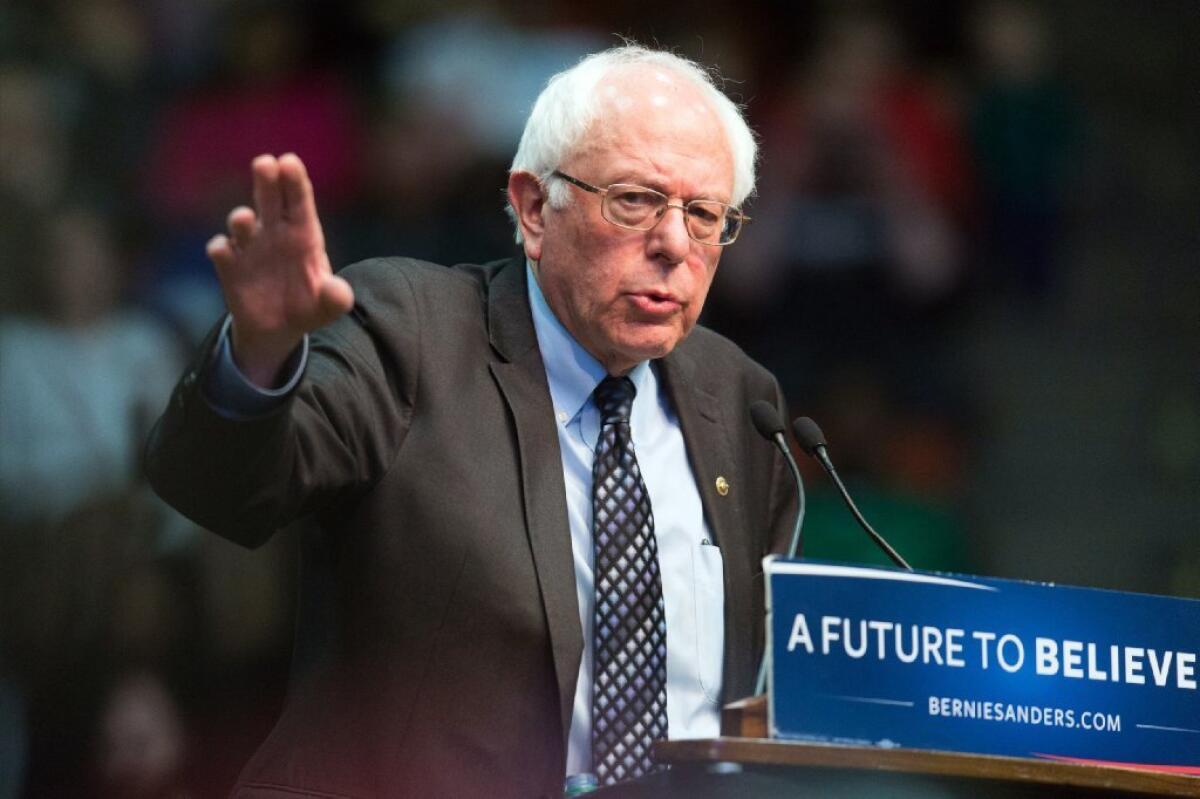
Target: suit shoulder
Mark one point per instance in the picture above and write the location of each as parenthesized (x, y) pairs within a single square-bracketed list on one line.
[(383, 279)]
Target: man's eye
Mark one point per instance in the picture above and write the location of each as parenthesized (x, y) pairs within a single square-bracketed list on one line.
[(700, 213), (635, 199)]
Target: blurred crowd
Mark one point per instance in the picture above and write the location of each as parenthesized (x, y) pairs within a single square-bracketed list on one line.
[(913, 166)]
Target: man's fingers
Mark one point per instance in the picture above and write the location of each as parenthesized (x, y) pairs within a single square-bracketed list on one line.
[(336, 298), (268, 196), (220, 252), (242, 223), (297, 191)]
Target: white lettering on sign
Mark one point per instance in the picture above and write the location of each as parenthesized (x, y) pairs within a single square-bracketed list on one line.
[(800, 635), (932, 645)]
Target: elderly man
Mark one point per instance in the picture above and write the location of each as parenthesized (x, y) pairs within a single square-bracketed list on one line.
[(541, 501)]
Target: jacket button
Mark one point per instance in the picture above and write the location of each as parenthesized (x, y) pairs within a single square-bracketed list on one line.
[(722, 486)]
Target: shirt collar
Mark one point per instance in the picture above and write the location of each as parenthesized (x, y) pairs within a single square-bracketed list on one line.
[(572, 372)]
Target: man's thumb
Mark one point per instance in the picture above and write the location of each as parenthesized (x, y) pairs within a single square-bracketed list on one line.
[(335, 299)]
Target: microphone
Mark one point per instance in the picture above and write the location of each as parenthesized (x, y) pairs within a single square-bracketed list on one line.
[(812, 441), (768, 424)]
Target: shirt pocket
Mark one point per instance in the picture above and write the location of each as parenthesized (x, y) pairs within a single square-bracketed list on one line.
[(708, 584)]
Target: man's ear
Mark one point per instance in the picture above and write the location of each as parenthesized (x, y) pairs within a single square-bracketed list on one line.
[(528, 201)]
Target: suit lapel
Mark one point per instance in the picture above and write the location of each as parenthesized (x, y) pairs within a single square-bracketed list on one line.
[(705, 432), (521, 376)]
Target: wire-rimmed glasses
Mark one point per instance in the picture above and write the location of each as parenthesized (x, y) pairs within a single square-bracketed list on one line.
[(636, 207)]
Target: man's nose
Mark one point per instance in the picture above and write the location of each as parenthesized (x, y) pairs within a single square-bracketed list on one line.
[(669, 238)]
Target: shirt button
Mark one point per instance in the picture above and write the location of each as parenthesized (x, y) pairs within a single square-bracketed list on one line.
[(562, 417)]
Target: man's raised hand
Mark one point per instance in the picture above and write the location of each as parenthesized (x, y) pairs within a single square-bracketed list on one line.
[(274, 270)]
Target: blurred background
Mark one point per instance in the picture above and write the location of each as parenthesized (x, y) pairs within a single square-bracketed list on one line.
[(973, 260)]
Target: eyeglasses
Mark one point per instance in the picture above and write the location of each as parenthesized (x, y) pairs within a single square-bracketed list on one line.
[(638, 208)]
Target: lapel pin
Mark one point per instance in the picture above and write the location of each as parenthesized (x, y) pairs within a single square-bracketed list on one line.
[(722, 486)]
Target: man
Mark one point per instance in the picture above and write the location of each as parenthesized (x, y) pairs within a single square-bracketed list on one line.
[(542, 505)]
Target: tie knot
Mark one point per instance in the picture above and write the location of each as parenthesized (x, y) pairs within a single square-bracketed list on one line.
[(614, 399)]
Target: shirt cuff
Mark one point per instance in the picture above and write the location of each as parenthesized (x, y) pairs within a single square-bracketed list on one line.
[(231, 393)]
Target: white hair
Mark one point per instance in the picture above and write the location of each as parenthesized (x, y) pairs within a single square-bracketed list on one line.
[(569, 104)]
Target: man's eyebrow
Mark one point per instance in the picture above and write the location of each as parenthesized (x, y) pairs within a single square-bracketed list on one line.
[(661, 187), (631, 179)]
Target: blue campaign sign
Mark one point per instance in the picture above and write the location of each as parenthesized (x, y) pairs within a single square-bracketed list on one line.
[(887, 658)]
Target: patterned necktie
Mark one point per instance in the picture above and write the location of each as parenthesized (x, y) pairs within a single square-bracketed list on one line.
[(629, 667)]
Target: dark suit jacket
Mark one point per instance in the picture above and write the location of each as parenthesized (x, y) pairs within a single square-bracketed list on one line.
[(423, 440)]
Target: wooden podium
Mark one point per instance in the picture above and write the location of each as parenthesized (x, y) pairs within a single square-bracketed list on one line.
[(744, 763)]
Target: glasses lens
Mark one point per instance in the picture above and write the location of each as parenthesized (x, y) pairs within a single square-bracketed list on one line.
[(712, 222), (639, 208), (731, 227), (706, 220), (633, 206)]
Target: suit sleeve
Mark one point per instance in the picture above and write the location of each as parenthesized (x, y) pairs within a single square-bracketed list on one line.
[(232, 394), (331, 439)]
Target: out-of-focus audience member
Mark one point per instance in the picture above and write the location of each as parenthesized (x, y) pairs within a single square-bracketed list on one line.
[(869, 170), (482, 70), (264, 98), (105, 54), (454, 94), (1023, 129), (33, 136), (264, 94), (82, 379)]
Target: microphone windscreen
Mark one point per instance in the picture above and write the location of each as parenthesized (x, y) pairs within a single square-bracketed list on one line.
[(808, 434), (766, 419)]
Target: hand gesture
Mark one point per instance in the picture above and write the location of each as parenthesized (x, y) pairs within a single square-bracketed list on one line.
[(274, 270)]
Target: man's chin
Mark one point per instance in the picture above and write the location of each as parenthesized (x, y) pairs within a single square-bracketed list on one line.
[(636, 350)]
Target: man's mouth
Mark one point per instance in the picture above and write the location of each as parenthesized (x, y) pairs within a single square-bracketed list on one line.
[(654, 303)]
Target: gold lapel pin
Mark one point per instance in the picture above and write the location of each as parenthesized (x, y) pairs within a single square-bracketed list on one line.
[(722, 485)]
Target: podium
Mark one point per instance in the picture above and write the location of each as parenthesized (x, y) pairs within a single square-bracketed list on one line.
[(743, 762), (919, 684)]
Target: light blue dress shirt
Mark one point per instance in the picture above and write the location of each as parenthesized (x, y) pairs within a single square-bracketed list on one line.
[(691, 566)]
